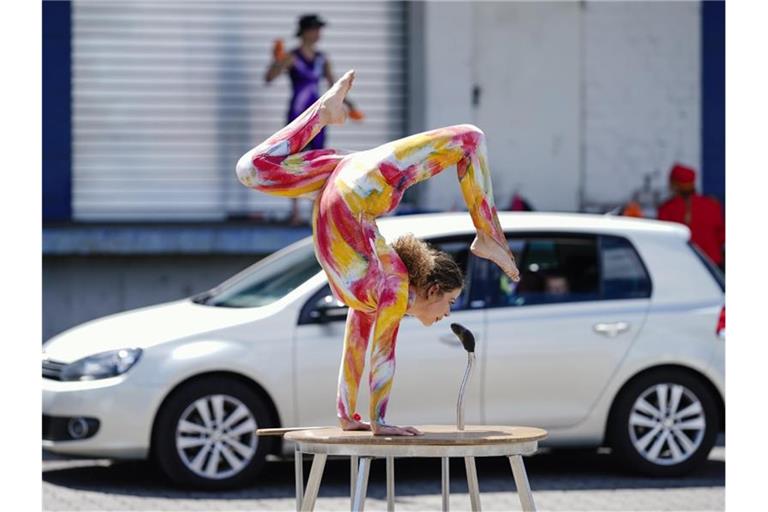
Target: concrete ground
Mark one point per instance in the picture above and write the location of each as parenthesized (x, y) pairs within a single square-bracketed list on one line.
[(561, 480)]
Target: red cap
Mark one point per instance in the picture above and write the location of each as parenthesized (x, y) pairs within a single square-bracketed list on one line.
[(682, 174), (356, 417)]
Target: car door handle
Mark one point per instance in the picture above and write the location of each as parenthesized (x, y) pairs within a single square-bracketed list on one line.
[(611, 329)]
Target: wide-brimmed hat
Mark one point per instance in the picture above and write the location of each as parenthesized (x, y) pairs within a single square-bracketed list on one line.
[(309, 21)]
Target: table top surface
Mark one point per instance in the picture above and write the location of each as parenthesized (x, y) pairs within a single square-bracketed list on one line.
[(434, 435)]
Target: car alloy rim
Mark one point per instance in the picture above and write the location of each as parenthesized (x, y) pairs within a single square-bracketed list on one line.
[(667, 424), (216, 436)]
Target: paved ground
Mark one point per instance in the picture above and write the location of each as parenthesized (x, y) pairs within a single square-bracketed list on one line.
[(561, 480)]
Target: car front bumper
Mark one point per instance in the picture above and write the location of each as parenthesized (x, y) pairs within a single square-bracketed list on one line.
[(123, 413)]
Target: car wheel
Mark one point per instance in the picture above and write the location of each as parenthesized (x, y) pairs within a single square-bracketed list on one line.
[(664, 423), (205, 434)]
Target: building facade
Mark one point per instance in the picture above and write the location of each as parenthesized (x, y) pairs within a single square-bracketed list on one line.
[(147, 107)]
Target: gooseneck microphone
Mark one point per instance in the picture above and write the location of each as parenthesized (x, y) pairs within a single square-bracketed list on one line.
[(468, 342)]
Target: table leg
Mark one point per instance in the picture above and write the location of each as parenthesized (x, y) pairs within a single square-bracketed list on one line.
[(361, 487), (474, 488), (353, 477), (521, 481), (299, 464), (446, 478), (390, 484), (313, 484)]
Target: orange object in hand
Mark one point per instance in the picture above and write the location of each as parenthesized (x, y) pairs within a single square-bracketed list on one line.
[(356, 115), (278, 49), (633, 209)]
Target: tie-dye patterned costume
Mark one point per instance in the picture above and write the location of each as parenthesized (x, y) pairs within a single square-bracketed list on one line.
[(351, 191)]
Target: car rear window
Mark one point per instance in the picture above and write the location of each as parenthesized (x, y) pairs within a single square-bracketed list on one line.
[(713, 269), (623, 274)]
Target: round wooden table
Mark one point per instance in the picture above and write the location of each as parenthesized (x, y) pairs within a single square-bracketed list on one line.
[(438, 441)]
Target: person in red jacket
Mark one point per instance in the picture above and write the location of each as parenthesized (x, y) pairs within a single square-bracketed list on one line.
[(702, 214)]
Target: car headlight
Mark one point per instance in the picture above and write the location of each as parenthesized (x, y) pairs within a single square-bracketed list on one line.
[(102, 365)]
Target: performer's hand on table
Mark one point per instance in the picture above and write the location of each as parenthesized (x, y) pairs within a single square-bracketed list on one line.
[(392, 430), (353, 424)]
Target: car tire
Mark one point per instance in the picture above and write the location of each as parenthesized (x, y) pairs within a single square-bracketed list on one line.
[(205, 434), (664, 423)]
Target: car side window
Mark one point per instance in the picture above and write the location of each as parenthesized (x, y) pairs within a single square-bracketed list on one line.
[(458, 248), (553, 269), (323, 307), (623, 273)]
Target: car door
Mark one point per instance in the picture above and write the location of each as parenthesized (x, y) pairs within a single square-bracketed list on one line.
[(430, 361), (556, 337)]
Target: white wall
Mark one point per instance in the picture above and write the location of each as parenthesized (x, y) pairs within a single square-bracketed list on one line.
[(527, 58), (579, 99), (643, 94), (447, 78), (80, 288)]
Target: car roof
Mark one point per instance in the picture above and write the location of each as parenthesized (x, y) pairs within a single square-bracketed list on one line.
[(458, 223)]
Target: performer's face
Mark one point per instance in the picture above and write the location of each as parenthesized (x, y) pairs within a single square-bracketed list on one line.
[(437, 305)]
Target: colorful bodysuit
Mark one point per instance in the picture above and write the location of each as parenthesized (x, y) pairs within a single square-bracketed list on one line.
[(350, 191)]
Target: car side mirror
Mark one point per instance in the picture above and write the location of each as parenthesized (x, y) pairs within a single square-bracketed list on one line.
[(328, 309)]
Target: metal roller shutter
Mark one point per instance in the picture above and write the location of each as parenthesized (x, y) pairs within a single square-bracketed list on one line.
[(168, 95)]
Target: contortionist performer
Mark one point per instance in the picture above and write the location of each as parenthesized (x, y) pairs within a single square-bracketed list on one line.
[(379, 282)]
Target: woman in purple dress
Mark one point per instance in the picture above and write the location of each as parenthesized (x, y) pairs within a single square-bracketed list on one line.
[(306, 66)]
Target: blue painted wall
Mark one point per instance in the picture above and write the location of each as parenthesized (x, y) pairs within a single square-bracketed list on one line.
[(57, 111), (713, 98)]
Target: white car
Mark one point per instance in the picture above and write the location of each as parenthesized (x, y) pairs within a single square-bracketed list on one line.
[(613, 337)]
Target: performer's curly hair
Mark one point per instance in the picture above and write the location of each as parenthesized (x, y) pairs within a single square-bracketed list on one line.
[(427, 265)]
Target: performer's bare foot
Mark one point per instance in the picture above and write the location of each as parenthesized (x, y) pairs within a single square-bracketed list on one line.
[(486, 247), (332, 109)]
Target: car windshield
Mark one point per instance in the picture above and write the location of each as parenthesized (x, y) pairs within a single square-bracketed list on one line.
[(267, 281)]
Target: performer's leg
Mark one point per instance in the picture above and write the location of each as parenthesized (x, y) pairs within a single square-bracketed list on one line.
[(316, 143), (413, 159), (276, 166), (356, 335)]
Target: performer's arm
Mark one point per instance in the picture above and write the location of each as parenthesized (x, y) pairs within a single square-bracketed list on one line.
[(391, 309)]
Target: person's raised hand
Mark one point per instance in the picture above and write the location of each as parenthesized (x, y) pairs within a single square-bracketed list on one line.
[(278, 50)]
